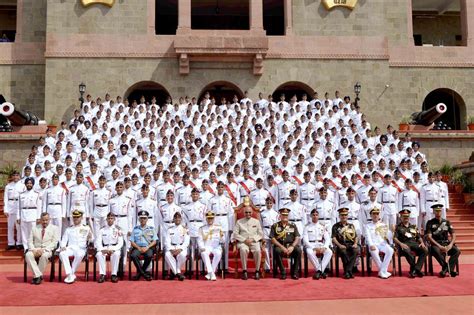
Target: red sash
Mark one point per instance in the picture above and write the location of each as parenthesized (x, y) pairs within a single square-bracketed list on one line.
[(359, 176), (192, 184), (415, 189), (403, 176), (91, 183), (231, 195), (394, 184), (333, 184), (245, 187), (298, 180), (65, 187), (171, 181), (209, 189)]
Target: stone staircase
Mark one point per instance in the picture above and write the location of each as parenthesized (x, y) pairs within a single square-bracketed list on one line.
[(460, 215)]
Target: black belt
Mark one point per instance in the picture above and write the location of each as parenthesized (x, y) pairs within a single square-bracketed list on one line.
[(324, 218), (295, 220), (121, 215), (168, 221), (162, 199), (369, 220), (176, 244), (267, 227), (286, 198), (30, 208), (101, 205), (54, 204), (430, 200), (13, 199), (305, 198), (259, 206), (316, 241), (389, 202), (109, 244), (195, 221), (408, 205), (221, 215), (351, 218)]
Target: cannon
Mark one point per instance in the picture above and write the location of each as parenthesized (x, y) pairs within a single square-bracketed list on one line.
[(9, 116), (427, 117)]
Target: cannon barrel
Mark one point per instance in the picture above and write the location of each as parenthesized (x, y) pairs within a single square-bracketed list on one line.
[(17, 117), (427, 117)]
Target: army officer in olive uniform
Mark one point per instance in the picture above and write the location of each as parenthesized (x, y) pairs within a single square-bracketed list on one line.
[(285, 239), (345, 237), (409, 240), (438, 231)]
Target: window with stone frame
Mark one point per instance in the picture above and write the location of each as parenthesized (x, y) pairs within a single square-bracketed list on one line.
[(220, 14), (8, 15)]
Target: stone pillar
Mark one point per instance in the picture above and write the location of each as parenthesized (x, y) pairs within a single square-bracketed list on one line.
[(184, 16), (288, 18), (467, 22), (19, 21), (256, 15), (411, 41)]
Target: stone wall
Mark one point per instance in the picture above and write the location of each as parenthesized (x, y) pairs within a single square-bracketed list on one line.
[(34, 20), (24, 85), (15, 152), (70, 17), (369, 18)]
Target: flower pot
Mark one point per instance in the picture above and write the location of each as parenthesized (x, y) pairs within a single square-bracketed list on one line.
[(468, 198), (445, 178), (54, 128), (470, 126), (458, 188), (403, 127)]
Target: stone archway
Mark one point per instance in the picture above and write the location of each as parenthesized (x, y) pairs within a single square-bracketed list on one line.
[(293, 88), (455, 116), (220, 89), (148, 89)]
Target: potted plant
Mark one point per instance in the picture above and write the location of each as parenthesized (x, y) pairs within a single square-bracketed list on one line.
[(404, 123), (469, 193), (6, 176), (446, 170), (470, 123), (459, 180), (53, 126)]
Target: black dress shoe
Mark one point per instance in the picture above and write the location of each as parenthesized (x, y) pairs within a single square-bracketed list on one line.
[(33, 281), (454, 274), (419, 273), (136, 277), (324, 275), (355, 270), (114, 279), (294, 277), (11, 247), (245, 276), (147, 277), (39, 280), (352, 275), (347, 275), (19, 247), (412, 274), (317, 275), (283, 276), (257, 275), (267, 270), (171, 276), (180, 277), (101, 279), (443, 273)]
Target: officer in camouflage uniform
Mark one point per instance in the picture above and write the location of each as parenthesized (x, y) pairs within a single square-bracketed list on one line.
[(344, 236), (409, 240), (438, 231)]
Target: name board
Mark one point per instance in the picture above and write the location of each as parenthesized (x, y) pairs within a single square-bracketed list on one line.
[(108, 3), (329, 4)]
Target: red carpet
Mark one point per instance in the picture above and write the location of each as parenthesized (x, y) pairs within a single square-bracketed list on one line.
[(17, 293)]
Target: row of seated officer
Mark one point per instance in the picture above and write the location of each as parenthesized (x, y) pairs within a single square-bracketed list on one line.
[(284, 235)]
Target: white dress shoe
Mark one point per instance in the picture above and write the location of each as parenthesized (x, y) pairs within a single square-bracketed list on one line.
[(208, 276), (213, 277)]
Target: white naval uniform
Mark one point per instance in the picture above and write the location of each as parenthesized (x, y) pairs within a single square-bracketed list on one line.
[(30, 208), (74, 241), (268, 217), (388, 197), (194, 218), (109, 238), (364, 212), (430, 194), (11, 197), (307, 195), (183, 196), (249, 185), (222, 208), (379, 235), (283, 194), (316, 235), (79, 200), (408, 199), (166, 215), (444, 197), (259, 197), (100, 207), (177, 237), (55, 203), (121, 206), (210, 239), (298, 215), (327, 212), (161, 191)]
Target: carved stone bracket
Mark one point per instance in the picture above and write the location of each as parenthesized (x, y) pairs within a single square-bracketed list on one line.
[(183, 64)]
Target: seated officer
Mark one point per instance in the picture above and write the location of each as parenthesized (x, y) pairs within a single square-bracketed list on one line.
[(378, 239), (143, 241), (109, 242), (74, 243), (210, 240), (285, 239), (409, 240), (177, 242), (344, 236), (438, 231), (317, 241)]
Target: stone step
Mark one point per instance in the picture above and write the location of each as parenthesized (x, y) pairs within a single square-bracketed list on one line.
[(465, 236)]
